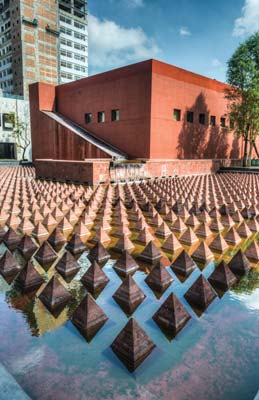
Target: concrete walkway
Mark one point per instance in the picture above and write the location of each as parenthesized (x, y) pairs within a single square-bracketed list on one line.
[(9, 388)]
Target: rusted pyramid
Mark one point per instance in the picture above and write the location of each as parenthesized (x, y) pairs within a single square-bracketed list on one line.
[(75, 245), (57, 214), (65, 226), (141, 223), (163, 231), (132, 345), (8, 265), (216, 226), (11, 239), (67, 265), (179, 225), (237, 217), (159, 278), (200, 294), (26, 226), (227, 221), (192, 221), (252, 252), (151, 253), (232, 237), (246, 213), (94, 278), (243, 230), (222, 278), (89, 317), (40, 232), (49, 221), (129, 295), (253, 225), (82, 231), (219, 244), (101, 236), (156, 221), (188, 237), (239, 264), (125, 264), (224, 210), (203, 230), (98, 253), (170, 217), (171, 244), (203, 253), (55, 296), (183, 264), (29, 278), (57, 239), (27, 247), (172, 316), (145, 236), (45, 255), (124, 243)]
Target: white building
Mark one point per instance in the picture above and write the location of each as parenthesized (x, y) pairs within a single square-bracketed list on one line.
[(73, 30), (12, 107)]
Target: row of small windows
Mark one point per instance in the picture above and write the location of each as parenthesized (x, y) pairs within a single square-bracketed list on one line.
[(5, 26), (6, 50), (202, 119), (8, 60), (69, 43), (66, 75), (6, 72), (6, 84), (69, 22), (115, 116), (69, 32), (70, 54), (76, 67)]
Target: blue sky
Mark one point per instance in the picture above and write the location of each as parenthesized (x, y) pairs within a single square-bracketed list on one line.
[(198, 35)]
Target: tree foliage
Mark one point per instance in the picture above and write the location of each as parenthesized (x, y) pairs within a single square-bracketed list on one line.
[(21, 135), (243, 95)]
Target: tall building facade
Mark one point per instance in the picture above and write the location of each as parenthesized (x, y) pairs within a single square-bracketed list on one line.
[(42, 41)]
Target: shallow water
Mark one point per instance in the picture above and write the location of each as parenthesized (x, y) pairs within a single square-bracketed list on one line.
[(216, 355)]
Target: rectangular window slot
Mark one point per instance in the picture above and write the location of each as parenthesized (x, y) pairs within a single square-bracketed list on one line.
[(177, 114), (189, 116), (101, 117), (115, 115)]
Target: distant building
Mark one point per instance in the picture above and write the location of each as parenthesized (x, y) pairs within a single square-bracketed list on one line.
[(12, 107), (149, 113), (42, 41)]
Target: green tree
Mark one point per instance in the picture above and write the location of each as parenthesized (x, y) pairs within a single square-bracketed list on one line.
[(243, 95), (21, 135)]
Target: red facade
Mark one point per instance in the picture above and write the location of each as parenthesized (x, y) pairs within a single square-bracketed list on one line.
[(148, 96)]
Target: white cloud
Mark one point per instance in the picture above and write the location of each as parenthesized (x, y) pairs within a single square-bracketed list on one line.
[(184, 31), (135, 3), (111, 45), (130, 3), (248, 23), (216, 63)]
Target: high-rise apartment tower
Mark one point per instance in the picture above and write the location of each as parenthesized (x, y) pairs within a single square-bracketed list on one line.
[(42, 41)]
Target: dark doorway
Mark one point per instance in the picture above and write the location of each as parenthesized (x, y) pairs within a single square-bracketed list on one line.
[(7, 151)]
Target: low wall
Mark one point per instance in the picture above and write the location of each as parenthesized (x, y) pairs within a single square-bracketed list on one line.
[(96, 171), (158, 168), (90, 171)]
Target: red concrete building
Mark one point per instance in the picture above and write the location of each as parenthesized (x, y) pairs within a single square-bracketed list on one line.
[(168, 119)]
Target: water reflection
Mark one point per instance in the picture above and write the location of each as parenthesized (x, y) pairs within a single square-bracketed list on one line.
[(61, 359)]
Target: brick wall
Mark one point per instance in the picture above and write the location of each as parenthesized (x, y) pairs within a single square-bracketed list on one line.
[(91, 172)]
